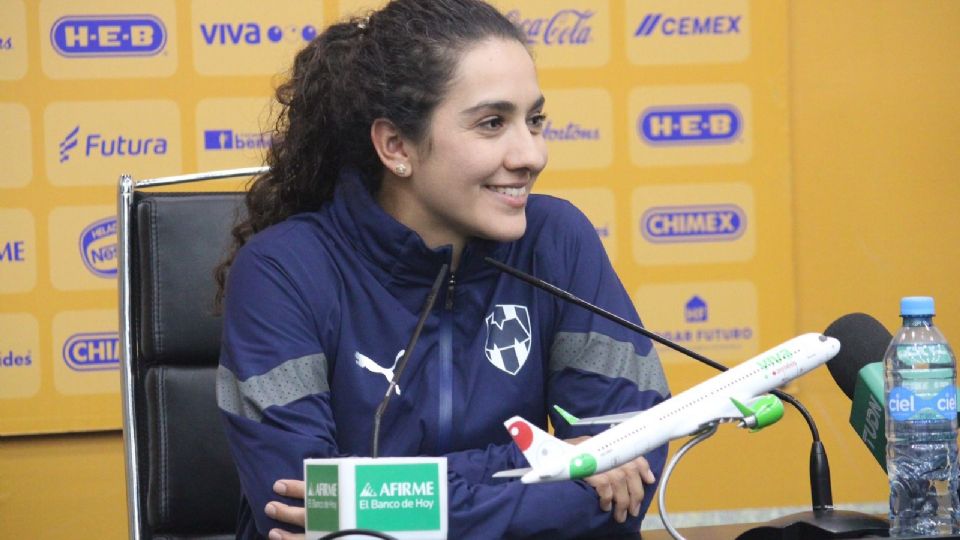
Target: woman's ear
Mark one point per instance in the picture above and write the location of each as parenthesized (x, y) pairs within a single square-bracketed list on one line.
[(391, 147)]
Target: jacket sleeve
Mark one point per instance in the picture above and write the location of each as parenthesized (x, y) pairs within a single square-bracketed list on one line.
[(273, 391), (598, 367)]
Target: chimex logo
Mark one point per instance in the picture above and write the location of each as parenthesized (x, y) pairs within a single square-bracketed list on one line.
[(694, 223), (668, 25), (252, 33), (104, 145), (565, 27), (98, 247), (108, 35), (690, 124), (95, 351), (228, 139)]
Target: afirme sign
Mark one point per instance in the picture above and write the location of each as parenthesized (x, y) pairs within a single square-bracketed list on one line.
[(405, 497)]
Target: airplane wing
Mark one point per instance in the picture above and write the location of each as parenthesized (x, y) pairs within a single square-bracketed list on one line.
[(609, 419), (755, 413), (512, 473)]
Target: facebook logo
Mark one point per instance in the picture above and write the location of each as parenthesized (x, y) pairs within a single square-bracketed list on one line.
[(228, 139), (218, 139)]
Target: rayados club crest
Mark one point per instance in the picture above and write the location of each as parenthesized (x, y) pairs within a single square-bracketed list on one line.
[(508, 337)]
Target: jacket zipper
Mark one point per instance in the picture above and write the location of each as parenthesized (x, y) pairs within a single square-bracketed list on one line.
[(445, 416)]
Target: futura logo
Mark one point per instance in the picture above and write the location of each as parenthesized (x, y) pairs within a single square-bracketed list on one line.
[(68, 143), (509, 337), (370, 365)]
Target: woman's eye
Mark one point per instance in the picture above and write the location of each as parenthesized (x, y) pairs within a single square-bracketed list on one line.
[(494, 122), (537, 120)]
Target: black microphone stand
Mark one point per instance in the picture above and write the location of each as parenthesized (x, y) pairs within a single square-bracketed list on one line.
[(823, 521), (427, 307)]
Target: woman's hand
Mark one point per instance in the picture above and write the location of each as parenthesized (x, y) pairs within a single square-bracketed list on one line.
[(621, 489), (292, 515)]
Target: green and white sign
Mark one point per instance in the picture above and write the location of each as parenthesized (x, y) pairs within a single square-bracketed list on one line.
[(404, 497)]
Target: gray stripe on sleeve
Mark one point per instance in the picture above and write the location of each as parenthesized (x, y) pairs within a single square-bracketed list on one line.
[(286, 383), (598, 353)]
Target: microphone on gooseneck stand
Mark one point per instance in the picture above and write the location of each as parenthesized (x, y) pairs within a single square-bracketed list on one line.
[(858, 371), (823, 521), (402, 364)]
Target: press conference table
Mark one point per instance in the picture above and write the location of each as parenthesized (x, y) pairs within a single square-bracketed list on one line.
[(729, 532)]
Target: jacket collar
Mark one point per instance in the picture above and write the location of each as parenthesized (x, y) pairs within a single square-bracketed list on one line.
[(396, 248)]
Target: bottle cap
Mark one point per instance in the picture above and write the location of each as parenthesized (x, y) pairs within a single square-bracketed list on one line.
[(916, 305)]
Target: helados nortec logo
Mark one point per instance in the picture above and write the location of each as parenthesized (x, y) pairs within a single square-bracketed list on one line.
[(98, 247)]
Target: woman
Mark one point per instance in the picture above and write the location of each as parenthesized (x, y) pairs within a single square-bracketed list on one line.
[(408, 140)]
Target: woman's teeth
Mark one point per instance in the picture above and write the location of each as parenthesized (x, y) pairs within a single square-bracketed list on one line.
[(510, 191)]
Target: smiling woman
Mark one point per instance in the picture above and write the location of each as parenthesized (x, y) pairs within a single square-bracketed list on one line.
[(409, 140)]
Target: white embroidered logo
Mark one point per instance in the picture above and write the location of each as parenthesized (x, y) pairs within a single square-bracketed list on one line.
[(509, 337), (369, 365)]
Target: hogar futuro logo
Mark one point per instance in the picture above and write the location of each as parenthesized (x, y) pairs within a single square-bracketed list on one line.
[(108, 35), (695, 310), (715, 25), (95, 351), (565, 27), (694, 223), (690, 124), (98, 247)]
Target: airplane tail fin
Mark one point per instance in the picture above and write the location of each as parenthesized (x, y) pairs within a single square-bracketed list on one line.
[(537, 445)]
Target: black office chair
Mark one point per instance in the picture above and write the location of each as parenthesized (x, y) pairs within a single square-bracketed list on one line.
[(181, 480)]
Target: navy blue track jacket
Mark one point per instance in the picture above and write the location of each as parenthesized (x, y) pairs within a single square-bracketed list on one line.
[(320, 307)]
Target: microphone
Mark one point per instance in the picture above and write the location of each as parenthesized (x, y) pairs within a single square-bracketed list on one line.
[(402, 364), (824, 521), (858, 371)]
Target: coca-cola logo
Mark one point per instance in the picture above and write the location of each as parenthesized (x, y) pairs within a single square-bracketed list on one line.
[(565, 27)]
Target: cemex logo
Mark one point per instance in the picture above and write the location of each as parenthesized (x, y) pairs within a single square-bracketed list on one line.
[(96, 351), (716, 25), (690, 124), (228, 139), (108, 35), (252, 33), (695, 310), (694, 223)]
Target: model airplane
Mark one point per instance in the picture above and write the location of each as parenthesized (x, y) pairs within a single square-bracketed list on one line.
[(736, 394)]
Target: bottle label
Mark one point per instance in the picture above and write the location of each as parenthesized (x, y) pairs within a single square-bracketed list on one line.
[(912, 354), (923, 400)]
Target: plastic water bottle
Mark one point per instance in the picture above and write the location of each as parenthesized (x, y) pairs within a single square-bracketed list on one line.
[(921, 394)]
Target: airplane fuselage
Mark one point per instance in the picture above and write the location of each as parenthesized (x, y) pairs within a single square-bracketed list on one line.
[(688, 411)]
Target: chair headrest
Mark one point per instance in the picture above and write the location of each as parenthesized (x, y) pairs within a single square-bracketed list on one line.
[(182, 237)]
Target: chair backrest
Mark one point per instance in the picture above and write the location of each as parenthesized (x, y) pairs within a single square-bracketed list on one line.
[(181, 480)]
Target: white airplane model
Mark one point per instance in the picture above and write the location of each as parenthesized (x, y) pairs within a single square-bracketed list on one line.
[(738, 393)]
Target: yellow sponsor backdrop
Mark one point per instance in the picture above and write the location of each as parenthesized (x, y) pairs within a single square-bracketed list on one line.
[(682, 108)]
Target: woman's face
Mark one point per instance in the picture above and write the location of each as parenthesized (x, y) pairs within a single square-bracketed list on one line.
[(484, 150)]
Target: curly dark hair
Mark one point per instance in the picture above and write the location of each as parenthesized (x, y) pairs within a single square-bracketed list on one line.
[(395, 63)]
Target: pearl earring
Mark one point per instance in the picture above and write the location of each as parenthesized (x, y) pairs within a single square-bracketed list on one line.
[(400, 169)]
